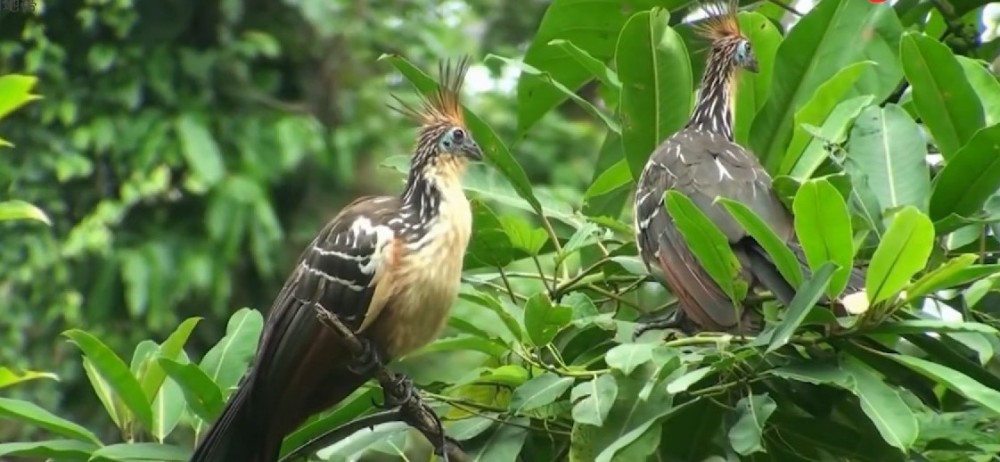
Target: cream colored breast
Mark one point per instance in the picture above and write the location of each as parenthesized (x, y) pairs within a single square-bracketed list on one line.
[(430, 276)]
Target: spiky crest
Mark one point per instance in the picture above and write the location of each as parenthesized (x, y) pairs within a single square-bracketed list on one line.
[(722, 22), (443, 106)]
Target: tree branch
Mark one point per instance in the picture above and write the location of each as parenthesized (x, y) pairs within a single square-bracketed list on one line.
[(398, 389)]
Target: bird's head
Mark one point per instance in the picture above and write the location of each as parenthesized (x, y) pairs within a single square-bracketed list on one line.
[(728, 44), (444, 138)]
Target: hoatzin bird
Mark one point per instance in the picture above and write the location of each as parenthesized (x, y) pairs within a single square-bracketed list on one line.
[(388, 267), (703, 162)]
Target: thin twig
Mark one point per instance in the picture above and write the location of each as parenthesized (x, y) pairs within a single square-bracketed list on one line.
[(398, 389), (506, 283)]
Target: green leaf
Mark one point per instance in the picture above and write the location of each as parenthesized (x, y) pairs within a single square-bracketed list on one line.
[(941, 94), (490, 243), (954, 380), (902, 253), (9, 377), (543, 320), (957, 271), (888, 143), (682, 383), (354, 406), (969, 177), (656, 96), (613, 178), (823, 226), (523, 236), (592, 25), (832, 36), (803, 302), (168, 408), (172, 348), (747, 434), (118, 376), (200, 150), (31, 414), (15, 91), (709, 245), (784, 259), (202, 395), (493, 148), (922, 326), (226, 362), (595, 66), (628, 356), (491, 303), (105, 393), (986, 86), (815, 373), (592, 400), (540, 391), (131, 452), (526, 69), (818, 108), (20, 210), (754, 88), (503, 444), (833, 131), (49, 450), (883, 405)]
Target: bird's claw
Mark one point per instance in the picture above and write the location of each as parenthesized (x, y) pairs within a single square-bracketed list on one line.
[(398, 391), (672, 321), (368, 361)]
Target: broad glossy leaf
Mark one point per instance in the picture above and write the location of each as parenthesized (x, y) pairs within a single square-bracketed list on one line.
[(504, 444), (884, 406), (920, 326), (527, 70), (168, 408), (592, 400), (491, 303), (941, 94), (15, 91), (969, 177), (803, 302), (21, 210), (762, 232), (357, 404), (944, 276), (539, 391), (493, 148), (490, 244), (832, 36), (628, 356), (32, 414), (956, 381), (682, 383), (609, 180), (523, 236), (226, 362), (201, 393), (49, 450), (986, 86), (591, 25), (709, 245), (833, 132), (902, 253), (543, 320), (604, 74), (118, 376), (823, 226), (747, 434), (754, 88), (10, 377), (888, 143), (171, 348), (816, 373), (200, 150), (131, 452), (818, 108), (656, 94)]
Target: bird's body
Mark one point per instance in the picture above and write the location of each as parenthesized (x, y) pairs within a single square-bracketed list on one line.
[(387, 267), (703, 162)]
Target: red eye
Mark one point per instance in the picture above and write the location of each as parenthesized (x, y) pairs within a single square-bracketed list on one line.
[(458, 134)]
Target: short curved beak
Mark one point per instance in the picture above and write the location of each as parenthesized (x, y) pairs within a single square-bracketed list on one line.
[(472, 151), (752, 66)]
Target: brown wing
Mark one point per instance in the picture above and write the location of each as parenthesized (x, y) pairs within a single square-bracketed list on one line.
[(300, 365)]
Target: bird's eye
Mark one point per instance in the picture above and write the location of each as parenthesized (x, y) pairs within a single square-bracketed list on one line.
[(743, 51), (458, 135)]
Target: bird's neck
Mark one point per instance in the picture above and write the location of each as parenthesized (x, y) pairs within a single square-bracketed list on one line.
[(432, 184), (713, 111)]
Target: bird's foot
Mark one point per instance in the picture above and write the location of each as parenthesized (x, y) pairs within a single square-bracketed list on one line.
[(672, 321), (398, 391), (368, 361)]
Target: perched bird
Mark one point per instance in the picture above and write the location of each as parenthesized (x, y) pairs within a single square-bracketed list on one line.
[(703, 162), (387, 267)]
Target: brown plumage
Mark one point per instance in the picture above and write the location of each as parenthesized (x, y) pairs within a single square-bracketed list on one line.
[(388, 267), (703, 162)]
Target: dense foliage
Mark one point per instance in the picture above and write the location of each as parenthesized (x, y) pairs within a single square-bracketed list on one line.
[(181, 166)]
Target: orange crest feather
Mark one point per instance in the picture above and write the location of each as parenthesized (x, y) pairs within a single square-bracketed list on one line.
[(722, 22), (444, 105)]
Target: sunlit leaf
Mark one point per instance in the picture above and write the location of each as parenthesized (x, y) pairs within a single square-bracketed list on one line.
[(119, 377), (31, 414), (823, 226), (746, 435), (902, 253)]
